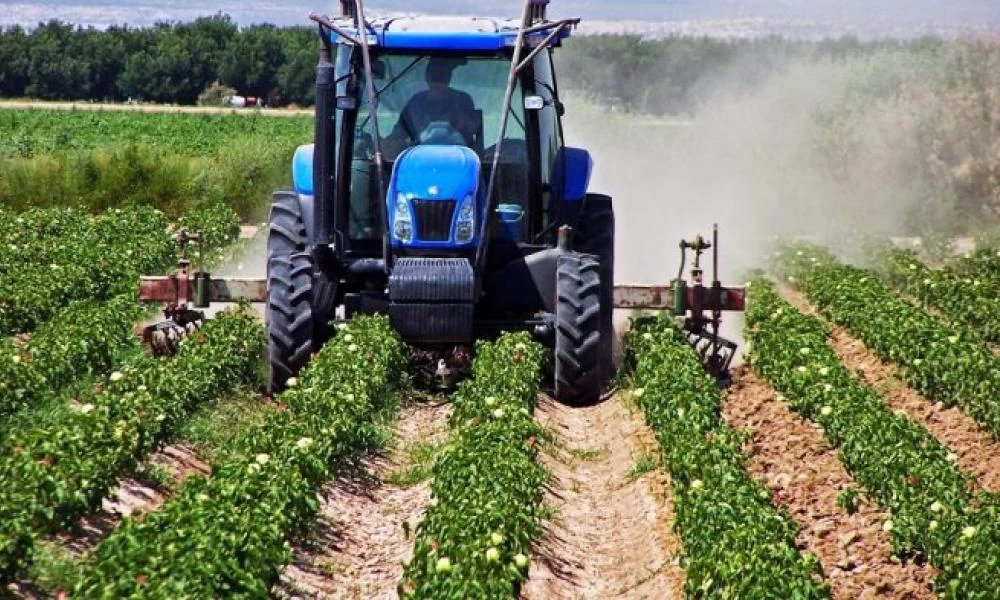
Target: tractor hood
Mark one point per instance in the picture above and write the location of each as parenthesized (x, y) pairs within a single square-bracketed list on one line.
[(433, 198)]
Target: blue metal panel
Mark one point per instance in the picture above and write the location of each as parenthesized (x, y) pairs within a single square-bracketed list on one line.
[(470, 41), (302, 170), (435, 173), (574, 167)]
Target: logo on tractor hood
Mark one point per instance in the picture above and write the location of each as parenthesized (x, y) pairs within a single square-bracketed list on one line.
[(433, 190)]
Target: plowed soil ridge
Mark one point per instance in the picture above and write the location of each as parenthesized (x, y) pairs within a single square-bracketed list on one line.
[(611, 535), (359, 540), (805, 476), (977, 452)]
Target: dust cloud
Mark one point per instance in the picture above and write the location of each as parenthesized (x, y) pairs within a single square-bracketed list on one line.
[(748, 160)]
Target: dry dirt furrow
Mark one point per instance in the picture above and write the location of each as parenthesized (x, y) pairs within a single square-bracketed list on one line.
[(977, 452), (134, 497), (359, 541), (611, 535), (790, 456)]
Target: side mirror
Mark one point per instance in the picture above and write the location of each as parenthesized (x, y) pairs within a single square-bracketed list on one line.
[(572, 172)]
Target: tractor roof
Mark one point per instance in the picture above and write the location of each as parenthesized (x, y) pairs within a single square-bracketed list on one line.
[(470, 34)]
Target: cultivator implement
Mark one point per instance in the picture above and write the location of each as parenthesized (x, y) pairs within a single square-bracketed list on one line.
[(186, 293)]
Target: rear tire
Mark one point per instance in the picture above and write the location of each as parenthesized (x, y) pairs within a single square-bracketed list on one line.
[(289, 292), (595, 234), (578, 334)]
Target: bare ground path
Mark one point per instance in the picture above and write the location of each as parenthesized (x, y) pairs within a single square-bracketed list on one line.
[(359, 542), (976, 451), (805, 476), (611, 535), (132, 497)]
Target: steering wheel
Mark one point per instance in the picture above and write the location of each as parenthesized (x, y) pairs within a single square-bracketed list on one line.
[(441, 133)]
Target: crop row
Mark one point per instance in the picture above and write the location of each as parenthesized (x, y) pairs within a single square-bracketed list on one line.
[(31, 131), (736, 543), (60, 470), (957, 298), (980, 268), (935, 360), (83, 339), (475, 539), (226, 536), (100, 261), (54, 257), (35, 235), (902, 467)]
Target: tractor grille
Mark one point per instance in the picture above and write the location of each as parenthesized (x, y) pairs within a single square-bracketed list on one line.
[(433, 219)]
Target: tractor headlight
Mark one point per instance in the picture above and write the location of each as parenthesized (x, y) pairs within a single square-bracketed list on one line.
[(465, 228), (402, 225)]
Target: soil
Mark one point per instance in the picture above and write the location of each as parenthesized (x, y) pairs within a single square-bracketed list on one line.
[(359, 540), (791, 457), (134, 497), (977, 451), (612, 533)]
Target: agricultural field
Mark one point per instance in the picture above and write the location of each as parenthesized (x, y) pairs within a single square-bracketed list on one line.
[(97, 160), (855, 453)]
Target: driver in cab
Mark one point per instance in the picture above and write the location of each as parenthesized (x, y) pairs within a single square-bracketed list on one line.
[(438, 106)]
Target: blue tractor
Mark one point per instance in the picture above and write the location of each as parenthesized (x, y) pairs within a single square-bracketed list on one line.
[(438, 190)]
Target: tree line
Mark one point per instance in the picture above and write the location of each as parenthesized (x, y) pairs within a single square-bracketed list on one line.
[(169, 62), (176, 62)]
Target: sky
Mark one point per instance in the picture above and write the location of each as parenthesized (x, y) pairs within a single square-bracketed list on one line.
[(886, 15)]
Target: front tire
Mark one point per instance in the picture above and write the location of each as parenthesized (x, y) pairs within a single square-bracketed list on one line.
[(290, 322), (578, 329)]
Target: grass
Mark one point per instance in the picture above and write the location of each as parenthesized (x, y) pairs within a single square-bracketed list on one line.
[(213, 425), (419, 459), (53, 568), (586, 454), (155, 476), (646, 463)]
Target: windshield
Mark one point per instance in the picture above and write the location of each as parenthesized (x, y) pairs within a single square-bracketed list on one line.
[(440, 99), (437, 100)]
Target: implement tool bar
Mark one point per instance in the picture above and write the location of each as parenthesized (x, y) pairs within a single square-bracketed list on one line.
[(233, 289)]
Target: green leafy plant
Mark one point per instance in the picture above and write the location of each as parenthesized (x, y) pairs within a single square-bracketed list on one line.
[(849, 500), (475, 539), (226, 535), (736, 543), (58, 471), (901, 466), (941, 363), (957, 298)]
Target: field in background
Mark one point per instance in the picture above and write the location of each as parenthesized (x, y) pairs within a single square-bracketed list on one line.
[(175, 162)]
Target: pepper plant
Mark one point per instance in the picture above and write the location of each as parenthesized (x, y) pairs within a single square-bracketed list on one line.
[(227, 535), (958, 299), (736, 543), (475, 539), (905, 470), (61, 470), (939, 362)]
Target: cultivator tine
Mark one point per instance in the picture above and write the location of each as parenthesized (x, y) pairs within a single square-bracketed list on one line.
[(163, 338), (716, 353)]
